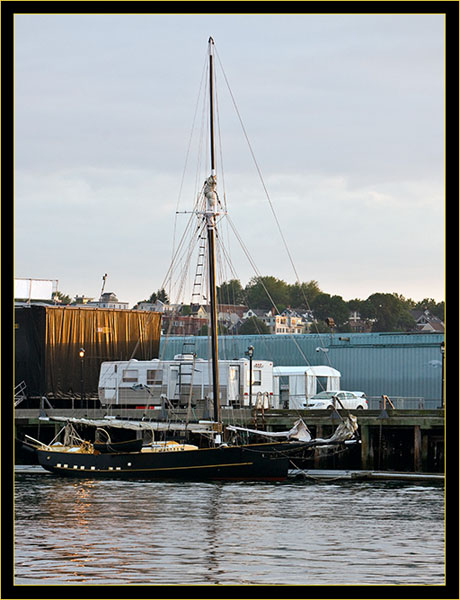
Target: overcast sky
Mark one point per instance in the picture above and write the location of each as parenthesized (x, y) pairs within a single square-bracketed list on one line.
[(344, 113)]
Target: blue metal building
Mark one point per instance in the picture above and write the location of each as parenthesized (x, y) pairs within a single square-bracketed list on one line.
[(396, 364)]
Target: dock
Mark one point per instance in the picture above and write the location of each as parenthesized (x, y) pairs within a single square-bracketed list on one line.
[(409, 440), (360, 475)]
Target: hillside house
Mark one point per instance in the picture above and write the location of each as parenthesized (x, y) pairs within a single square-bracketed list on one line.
[(425, 322)]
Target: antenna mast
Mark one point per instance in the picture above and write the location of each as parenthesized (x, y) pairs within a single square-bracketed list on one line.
[(103, 284)]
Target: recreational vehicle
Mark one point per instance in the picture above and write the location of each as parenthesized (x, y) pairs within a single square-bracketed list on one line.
[(183, 381)]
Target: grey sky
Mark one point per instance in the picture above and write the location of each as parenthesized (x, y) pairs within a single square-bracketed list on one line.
[(345, 114)]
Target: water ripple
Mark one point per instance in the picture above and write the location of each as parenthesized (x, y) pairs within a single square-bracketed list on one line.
[(122, 532)]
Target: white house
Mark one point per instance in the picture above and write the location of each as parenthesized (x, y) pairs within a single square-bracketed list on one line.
[(109, 300)]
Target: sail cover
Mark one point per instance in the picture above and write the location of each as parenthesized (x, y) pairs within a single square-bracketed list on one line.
[(135, 425), (299, 431)]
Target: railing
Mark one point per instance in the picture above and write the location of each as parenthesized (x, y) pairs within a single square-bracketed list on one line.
[(402, 403), (19, 393), (269, 402), (373, 402)]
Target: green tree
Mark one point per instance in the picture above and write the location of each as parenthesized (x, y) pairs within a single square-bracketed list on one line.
[(302, 295), (61, 298), (253, 325), (355, 305), (160, 295), (264, 292), (390, 311), (186, 310), (319, 327), (325, 305), (230, 292)]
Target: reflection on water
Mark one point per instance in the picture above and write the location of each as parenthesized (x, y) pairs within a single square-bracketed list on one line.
[(138, 532)]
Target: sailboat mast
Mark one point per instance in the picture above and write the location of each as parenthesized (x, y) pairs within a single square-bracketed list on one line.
[(211, 214), (211, 105)]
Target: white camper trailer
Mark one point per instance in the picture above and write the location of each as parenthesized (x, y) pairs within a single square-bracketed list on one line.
[(186, 379), (302, 384)]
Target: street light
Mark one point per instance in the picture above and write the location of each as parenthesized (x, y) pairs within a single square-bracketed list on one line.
[(250, 353), (81, 354)]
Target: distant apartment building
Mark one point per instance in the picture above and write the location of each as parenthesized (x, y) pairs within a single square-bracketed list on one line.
[(288, 321)]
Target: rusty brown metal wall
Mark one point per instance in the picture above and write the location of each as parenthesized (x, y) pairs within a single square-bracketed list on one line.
[(105, 334)]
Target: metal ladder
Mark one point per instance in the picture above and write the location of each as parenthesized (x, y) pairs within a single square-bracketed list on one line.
[(189, 344), (185, 381)]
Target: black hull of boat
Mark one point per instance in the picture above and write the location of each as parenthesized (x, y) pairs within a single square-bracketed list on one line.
[(254, 462)]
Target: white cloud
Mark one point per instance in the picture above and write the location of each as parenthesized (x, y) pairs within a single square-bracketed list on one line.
[(344, 113)]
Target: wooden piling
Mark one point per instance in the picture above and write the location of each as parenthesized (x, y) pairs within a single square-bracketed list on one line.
[(417, 448), (365, 447)]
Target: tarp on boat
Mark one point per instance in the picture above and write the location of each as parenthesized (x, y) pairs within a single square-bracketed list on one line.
[(346, 430)]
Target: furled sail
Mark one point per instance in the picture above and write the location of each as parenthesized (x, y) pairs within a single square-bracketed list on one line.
[(299, 431), (204, 428)]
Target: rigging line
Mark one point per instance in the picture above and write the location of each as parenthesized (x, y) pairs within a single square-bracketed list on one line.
[(203, 150), (202, 97), (252, 264), (222, 263), (219, 135), (248, 256), (266, 193), (182, 277), (180, 246), (258, 275), (258, 170), (188, 258), (263, 285), (225, 261), (189, 146)]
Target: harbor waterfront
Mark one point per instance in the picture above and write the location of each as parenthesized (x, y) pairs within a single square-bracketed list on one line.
[(338, 533)]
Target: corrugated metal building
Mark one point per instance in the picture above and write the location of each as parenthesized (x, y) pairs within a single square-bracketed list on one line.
[(396, 364), (48, 339)]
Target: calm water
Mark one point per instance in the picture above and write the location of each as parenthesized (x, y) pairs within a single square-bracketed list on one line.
[(137, 532)]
